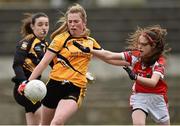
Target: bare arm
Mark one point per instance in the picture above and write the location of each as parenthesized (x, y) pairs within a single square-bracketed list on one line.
[(42, 65), (150, 82), (107, 55), (117, 62), (110, 57)]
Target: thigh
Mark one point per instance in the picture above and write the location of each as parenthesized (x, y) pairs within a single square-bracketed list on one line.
[(65, 109), (158, 108), (139, 101), (138, 117), (47, 115), (75, 93), (54, 94)]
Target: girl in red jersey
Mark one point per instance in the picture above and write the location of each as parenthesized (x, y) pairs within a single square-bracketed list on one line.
[(147, 68)]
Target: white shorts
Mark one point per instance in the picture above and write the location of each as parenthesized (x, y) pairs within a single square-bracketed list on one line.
[(152, 104)]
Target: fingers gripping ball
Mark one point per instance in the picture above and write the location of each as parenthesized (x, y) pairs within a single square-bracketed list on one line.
[(35, 91), (22, 87)]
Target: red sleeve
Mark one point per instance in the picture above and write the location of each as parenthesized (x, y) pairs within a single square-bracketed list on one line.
[(130, 54), (160, 66)]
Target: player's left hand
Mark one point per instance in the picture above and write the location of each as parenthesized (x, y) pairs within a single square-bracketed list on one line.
[(132, 75)]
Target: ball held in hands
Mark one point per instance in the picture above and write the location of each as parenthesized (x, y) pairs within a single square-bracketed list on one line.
[(35, 90)]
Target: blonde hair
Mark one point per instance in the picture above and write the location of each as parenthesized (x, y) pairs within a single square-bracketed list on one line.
[(76, 8)]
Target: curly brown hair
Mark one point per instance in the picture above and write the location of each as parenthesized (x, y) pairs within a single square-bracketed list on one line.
[(156, 36)]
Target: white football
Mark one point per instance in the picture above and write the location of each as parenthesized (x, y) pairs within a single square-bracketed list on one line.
[(35, 90)]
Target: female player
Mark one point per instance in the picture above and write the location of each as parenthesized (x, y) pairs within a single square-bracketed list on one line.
[(29, 52), (147, 47), (67, 81)]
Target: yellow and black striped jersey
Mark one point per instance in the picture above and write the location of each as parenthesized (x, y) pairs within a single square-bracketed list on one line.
[(72, 63), (29, 52)]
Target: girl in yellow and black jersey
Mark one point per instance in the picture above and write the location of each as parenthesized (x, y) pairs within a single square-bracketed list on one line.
[(67, 80), (28, 54), (72, 63)]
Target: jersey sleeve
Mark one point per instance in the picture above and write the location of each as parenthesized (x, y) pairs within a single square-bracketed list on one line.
[(57, 43), (131, 56), (159, 67), (21, 52), (96, 46), (127, 56)]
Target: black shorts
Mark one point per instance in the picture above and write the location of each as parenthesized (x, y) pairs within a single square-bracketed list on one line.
[(26, 103), (57, 90)]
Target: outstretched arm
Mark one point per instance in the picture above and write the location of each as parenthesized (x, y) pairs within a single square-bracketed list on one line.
[(117, 62), (105, 55), (42, 65), (110, 57)]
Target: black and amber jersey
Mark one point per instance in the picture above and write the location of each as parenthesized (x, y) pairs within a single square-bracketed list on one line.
[(72, 63), (29, 52)]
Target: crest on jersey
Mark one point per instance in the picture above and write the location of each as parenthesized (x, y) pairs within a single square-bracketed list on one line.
[(24, 45)]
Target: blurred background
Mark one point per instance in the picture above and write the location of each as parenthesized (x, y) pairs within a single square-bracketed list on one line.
[(110, 21)]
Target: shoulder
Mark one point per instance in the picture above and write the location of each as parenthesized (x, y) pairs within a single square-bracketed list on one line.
[(29, 37), (63, 35), (161, 60), (26, 42), (90, 38), (132, 53), (135, 53), (131, 56), (96, 45)]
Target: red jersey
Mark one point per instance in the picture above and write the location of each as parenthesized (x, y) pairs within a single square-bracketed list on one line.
[(158, 67)]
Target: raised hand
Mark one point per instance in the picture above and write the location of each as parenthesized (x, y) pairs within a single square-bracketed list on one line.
[(82, 48), (132, 75)]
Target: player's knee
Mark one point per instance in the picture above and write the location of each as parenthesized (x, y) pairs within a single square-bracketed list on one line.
[(138, 121)]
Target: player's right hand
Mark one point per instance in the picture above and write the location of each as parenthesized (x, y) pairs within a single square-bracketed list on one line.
[(132, 75), (82, 48), (22, 87)]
